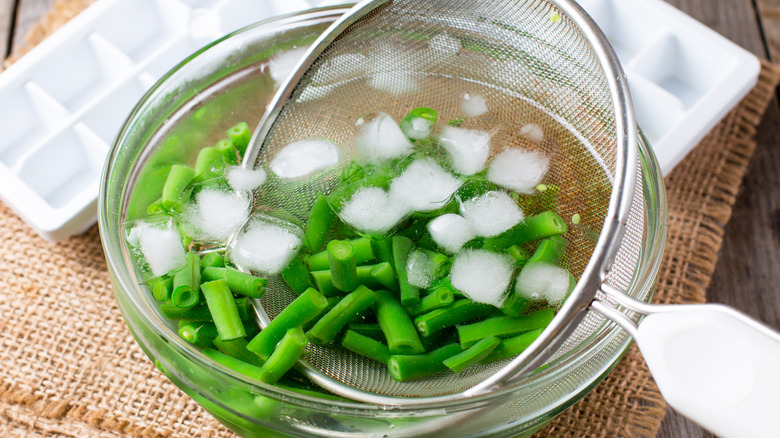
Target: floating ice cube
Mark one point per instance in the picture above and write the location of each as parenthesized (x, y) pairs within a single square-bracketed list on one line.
[(241, 179), (482, 275), (381, 139), (394, 82), (266, 245), (417, 128), (339, 68), (473, 105), (304, 157), (492, 213), (424, 186), (216, 215), (390, 72), (468, 148), (445, 44), (532, 132), (161, 246), (314, 92), (373, 210), (280, 66), (418, 269), (519, 170), (541, 280), (451, 231)]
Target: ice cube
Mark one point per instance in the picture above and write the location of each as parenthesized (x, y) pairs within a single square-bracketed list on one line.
[(444, 44), (381, 139), (468, 148), (394, 82), (373, 210), (424, 186), (304, 157), (340, 68), (518, 169), (417, 128), (160, 246), (281, 65), (532, 132), (473, 105), (241, 179), (216, 215), (491, 213), (482, 275), (541, 280), (390, 72), (451, 231), (266, 245), (418, 269)]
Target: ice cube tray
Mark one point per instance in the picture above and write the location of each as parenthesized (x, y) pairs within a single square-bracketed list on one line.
[(63, 102)]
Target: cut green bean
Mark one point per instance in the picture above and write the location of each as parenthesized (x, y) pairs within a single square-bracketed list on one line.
[(364, 277), (240, 135), (343, 265), (237, 365), (300, 311), (237, 348), (503, 326), (405, 367), (536, 227), (198, 313), (323, 280), (161, 288), (212, 259), (223, 309), (191, 334), (319, 223), (228, 150), (384, 274), (175, 191), (441, 296), (239, 282), (397, 325), (297, 276), (209, 163), (285, 355), (186, 283), (363, 253), (383, 249), (156, 208), (326, 329), (520, 255), (550, 250), (365, 346), (473, 354), (511, 347), (410, 295), (368, 329), (459, 312)]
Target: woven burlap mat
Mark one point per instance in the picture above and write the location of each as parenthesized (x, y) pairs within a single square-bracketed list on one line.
[(71, 369)]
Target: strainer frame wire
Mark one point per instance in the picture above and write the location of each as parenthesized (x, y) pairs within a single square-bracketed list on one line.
[(624, 185), (627, 132)]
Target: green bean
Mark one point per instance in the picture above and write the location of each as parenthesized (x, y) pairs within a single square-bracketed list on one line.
[(238, 282), (397, 325), (520, 255), (223, 309), (323, 280), (363, 253), (439, 297), (343, 265), (473, 354), (368, 329), (319, 223), (410, 295), (365, 346), (285, 355), (550, 250), (237, 348), (156, 208), (198, 313), (250, 370), (511, 347), (332, 301), (503, 326), (383, 248), (209, 163), (297, 276), (175, 191), (193, 335), (240, 135), (326, 329), (404, 367), (300, 311), (161, 287), (364, 277), (212, 259), (186, 283), (384, 274), (456, 313), (537, 227), (228, 150)]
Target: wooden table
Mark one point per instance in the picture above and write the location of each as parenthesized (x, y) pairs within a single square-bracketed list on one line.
[(748, 272)]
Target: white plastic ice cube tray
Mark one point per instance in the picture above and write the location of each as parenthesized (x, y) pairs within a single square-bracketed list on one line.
[(62, 103)]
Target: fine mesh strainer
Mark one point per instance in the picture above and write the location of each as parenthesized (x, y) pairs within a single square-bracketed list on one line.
[(535, 61)]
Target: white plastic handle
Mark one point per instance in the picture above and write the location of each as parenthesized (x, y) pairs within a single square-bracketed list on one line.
[(717, 367)]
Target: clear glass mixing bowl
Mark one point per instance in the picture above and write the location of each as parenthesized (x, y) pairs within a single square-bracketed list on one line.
[(192, 106)]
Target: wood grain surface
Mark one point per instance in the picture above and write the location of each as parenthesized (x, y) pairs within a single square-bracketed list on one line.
[(748, 272)]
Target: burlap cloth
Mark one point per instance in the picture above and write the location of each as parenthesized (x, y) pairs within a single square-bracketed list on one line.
[(71, 369)]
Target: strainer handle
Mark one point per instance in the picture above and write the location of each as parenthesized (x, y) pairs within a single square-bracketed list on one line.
[(716, 366)]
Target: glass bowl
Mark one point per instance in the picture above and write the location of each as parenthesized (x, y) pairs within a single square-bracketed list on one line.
[(225, 83)]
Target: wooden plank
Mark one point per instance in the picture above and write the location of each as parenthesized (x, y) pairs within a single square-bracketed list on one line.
[(746, 275), (28, 13), (6, 20)]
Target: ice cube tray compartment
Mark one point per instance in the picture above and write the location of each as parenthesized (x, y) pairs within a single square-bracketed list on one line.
[(62, 104)]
